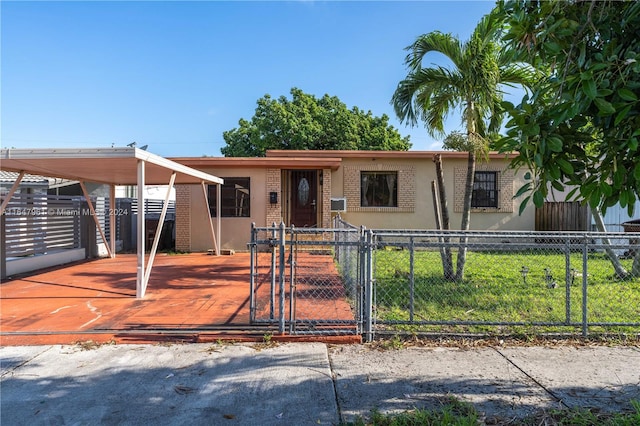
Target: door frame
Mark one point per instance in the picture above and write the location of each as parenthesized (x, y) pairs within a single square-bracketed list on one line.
[(288, 193)]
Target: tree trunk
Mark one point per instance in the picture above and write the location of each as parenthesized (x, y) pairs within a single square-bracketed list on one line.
[(444, 208), (635, 269), (466, 214), (615, 261), (442, 212)]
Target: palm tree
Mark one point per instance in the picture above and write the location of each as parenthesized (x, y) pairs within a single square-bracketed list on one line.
[(480, 67)]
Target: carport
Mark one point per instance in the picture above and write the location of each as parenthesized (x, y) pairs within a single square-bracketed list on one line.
[(114, 166)]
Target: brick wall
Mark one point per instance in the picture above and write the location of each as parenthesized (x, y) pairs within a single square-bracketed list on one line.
[(274, 211), (183, 217), (505, 189), (406, 187), (326, 198)]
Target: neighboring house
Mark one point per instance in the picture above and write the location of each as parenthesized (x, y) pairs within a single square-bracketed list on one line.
[(152, 192), (31, 184), (378, 189), (34, 184), (616, 215)]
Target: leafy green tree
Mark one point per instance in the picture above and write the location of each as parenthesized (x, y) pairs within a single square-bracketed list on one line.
[(306, 122), (580, 128), (473, 83)]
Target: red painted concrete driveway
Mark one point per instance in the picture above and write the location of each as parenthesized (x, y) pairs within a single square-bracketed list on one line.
[(193, 297)]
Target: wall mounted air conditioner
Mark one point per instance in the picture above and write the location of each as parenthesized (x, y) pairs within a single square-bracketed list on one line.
[(339, 204)]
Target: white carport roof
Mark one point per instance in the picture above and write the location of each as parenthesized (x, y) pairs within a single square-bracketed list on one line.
[(115, 166), (112, 166)]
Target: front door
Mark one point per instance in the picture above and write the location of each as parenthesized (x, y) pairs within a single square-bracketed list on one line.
[(304, 198)]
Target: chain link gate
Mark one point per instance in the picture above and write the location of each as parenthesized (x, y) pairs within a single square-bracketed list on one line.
[(306, 280)]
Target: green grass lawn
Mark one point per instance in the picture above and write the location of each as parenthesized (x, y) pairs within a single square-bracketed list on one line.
[(463, 414), (494, 290)]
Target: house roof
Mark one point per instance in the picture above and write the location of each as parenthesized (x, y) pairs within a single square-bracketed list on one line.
[(10, 177), (302, 162), (116, 166), (50, 182), (308, 159), (280, 153)]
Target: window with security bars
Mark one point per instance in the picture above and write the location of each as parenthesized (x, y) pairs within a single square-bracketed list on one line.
[(379, 189), (235, 198), (485, 190)]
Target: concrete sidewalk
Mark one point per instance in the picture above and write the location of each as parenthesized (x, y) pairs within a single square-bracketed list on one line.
[(301, 383)]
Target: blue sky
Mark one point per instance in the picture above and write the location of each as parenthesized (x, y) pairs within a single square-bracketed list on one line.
[(176, 75)]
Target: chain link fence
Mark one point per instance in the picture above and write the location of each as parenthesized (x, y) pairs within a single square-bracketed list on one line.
[(375, 282), (507, 282)]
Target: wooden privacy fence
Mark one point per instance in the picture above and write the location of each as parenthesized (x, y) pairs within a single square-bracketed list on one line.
[(563, 216)]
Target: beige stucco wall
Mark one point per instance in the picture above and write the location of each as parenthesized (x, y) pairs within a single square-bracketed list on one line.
[(414, 211), (236, 231), (418, 214)]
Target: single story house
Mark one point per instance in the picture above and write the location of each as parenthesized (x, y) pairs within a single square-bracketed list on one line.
[(378, 189), (32, 184)]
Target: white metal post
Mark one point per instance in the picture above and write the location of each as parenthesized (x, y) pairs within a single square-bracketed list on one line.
[(112, 219), (206, 202), (156, 238), (218, 216), (141, 285)]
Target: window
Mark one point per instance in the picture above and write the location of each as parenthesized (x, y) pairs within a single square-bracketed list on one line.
[(485, 190), (379, 189), (235, 198)]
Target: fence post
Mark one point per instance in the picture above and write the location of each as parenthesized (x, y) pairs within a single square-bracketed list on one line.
[(369, 283), (252, 279), (292, 284), (77, 223), (585, 325), (411, 279), (360, 279), (88, 233), (3, 248), (274, 268), (568, 278), (124, 229), (337, 238), (281, 245)]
